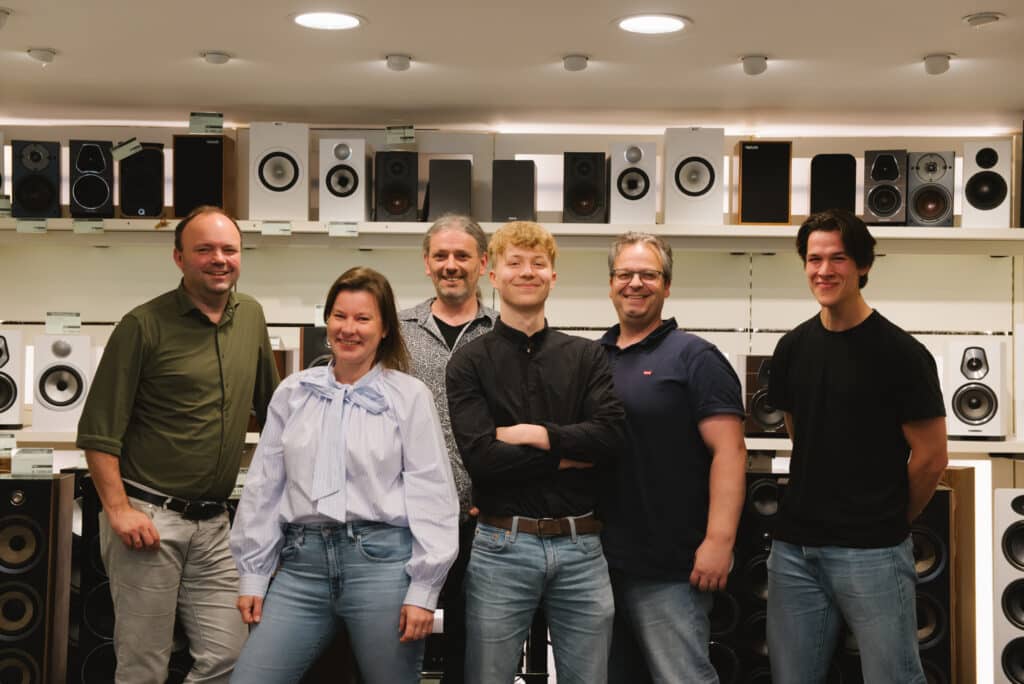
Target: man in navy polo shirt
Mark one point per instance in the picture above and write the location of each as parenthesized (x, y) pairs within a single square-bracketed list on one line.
[(673, 506)]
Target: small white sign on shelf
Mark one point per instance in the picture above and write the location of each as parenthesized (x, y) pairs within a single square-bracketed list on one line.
[(318, 316), (87, 226), (343, 229), (31, 225), (206, 123), (34, 461), (780, 464), (276, 228), (63, 322), (276, 343), (8, 443), (126, 149), (399, 135)]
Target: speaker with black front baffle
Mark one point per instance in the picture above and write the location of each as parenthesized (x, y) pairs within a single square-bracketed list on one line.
[(833, 182), (315, 351), (141, 182), (346, 187), (204, 173), (930, 188), (449, 188), (92, 179), (885, 187), (12, 378), (632, 172), (764, 169), (694, 180), (35, 569), (278, 171), (513, 190), (975, 389), (584, 187), (63, 368), (987, 169), (763, 420), (35, 179), (396, 185)]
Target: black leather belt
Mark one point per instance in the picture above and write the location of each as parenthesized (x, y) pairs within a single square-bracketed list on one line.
[(546, 527), (196, 509)]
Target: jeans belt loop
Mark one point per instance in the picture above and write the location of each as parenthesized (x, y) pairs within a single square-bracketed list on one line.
[(572, 528), (351, 533), (515, 529)]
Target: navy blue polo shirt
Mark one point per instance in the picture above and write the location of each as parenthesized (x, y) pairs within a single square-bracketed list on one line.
[(655, 505)]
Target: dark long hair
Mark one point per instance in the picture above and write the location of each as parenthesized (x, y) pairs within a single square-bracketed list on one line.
[(391, 352)]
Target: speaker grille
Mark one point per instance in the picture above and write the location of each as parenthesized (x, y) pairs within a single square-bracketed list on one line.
[(35, 193)]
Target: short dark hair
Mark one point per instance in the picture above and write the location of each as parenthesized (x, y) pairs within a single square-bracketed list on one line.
[(660, 247), (199, 211), (858, 243), (391, 352), (460, 223)]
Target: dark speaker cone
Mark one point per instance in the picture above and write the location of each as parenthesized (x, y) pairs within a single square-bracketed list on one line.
[(985, 190), (342, 180), (633, 183), (884, 200), (975, 404)]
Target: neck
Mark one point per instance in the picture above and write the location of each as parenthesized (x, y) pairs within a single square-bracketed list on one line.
[(454, 313), (211, 306), (525, 321), (845, 315), (631, 332), (348, 374)]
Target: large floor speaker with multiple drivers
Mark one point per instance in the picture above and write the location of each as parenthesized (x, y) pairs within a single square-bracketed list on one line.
[(833, 182), (204, 173), (35, 567), (885, 187), (1008, 585), (449, 188), (92, 179), (762, 418), (63, 367), (764, 171), (141, 182), (313, 343), (930, 189), (694, 180), (632, 172), (987, 165), (976, 392), (278, 171), (584, 188), (12, 378), (35, 189), (345, 185), (396, 186), (514, 190)]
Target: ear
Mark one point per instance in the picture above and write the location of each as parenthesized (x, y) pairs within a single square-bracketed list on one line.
[(426, 264), (492, 278), (178, 257)]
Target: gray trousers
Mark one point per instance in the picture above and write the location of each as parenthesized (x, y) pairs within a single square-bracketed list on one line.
[(191, 577)]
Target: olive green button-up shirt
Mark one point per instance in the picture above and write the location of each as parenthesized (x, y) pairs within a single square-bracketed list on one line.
[(173, 393)]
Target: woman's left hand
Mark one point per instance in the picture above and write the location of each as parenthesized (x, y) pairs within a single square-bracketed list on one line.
[(415, 623)]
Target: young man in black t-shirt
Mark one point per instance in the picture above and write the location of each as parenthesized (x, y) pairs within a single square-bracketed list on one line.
[(864, 409)]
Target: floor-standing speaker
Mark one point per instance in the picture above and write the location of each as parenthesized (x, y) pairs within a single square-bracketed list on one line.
[(987, 165), (345, 185), (313, 344), (35, 176), (92, 179), (694, 181), (930, 189), (141, 182), (976, 393), (632, 172), (514, 190), (449, 188), (396, 181), (763, 419), (833, 182), (35, 577), (63, 367), (584, 188), (12, 378), (764, 170), (885, 187), (204, 173), (278, 171), (1008, 585)]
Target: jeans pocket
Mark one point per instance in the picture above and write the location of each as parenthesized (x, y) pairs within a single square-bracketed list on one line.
[(490, 538), (385, 543), (293, 541), (589, 544)]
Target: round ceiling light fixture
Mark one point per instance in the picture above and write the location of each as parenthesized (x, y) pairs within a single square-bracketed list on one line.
[(575, 62), (754, 64), (215, 57), (979, 19), (398, 62), (44, 55), (328, 21), (652, 24), (936, 64)]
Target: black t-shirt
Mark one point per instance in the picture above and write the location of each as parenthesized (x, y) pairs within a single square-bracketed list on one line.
[(850, 393), (449, 332)]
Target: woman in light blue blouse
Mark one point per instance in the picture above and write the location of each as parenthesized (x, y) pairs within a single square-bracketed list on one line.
[(350, 499)]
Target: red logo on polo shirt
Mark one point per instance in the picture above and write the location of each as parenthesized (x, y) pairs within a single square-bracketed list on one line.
[(648, 372)]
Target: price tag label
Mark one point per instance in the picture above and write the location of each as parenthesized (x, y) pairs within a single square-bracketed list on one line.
[(31, 226), (32, 462), (318, 316), (87, 226), (399, 135), (7, 443), (780, 464), (276, 342), (5, 205), (126, 149), (276, 228), (343, 229), (63, 322), (206, 123)]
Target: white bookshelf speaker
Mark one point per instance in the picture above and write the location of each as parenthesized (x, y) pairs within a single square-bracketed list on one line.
[(63, 370), (346, 188), (632, 173), (278, 171), (975, 389), (986, 199), (694, 179), (12, 378)]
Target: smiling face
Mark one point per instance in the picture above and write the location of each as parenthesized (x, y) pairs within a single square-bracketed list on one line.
[(210, 258), (455, 265), (523, 277), (354, 331), (832, 274), (638, 301)]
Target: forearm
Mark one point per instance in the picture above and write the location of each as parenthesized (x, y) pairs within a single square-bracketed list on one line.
[(923, 474), (106, 476), (727, 490)]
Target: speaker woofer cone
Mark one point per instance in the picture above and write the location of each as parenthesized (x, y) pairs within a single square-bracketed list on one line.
[(755, 578), (17, 667), (725, 661), (929, 554), (725, 614), (932, 622), (35, 193), (766, 415), (755, 634), (20, 612), (278, 171), (975, 404), (90, 192), (396, 200), (61, 386), (884, 200), (763, 497), (1012, 660), (98, 611), (583, 199), (8, 392), (1013, 544), (21, 544), (931, 204), (1013, 603), (985, 190), (633, 183), (100, 664), (342, 180), (695, 176)]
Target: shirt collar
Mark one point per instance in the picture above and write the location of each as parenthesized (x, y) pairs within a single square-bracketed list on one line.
[(611, 336), (421, 313), (186, 305), (324, 378), (518, 337)]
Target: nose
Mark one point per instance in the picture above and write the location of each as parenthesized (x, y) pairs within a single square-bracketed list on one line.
[(635, 280), (450, 264)]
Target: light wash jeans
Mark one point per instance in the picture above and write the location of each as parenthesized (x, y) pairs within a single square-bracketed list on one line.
[(509, 575), (811, 590), (661, 635), (353, 573)]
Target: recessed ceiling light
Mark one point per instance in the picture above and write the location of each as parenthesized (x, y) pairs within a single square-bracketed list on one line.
[(215, 57), (754, 64), (398, 62), (44, 55), (575, 62), (937, 64), (979, 19), (328, 21), (654, 23)]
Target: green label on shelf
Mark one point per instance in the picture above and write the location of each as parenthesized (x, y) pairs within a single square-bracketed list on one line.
[(32, 461), (343, 229), (87, 226), (399, 135), (63, 322), (31, 225), (126, 149), (276, 228), (206, 123)]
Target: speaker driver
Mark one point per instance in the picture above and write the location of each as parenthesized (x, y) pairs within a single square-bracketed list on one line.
[(931, 168), (90, 159), (933, 673), (35, 157), (60, 386), (725, 614), (755, 633), (396, 202), (278, 171), (20, 612), (1013, 603), (1013, 661), (985, 190), (755, 576), (20, 544), (929, 554), (8, 392), (986, 157), (766, 415), (726, 662), (90, 191), (342, 180), (98, 611), (583, 198), (16, 667), (695, 176), (633, 183), (931, 622), (884, 200), (931, 203), (342, 151), (975, 404), (36, 193), (764, 497), (1013, 544), (100, 664)]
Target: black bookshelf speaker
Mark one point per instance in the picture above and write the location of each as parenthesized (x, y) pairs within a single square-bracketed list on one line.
[(314, 347), (396, 181), (763, 419), (35, 577), (885, 187), (203, 173), (514, 190), (92, 179), (585, 188), (141, 182), (930, 188), (833, 182), (449, 188), (35, 177), (764, 181)]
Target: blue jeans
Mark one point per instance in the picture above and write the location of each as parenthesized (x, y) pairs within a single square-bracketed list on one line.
[(509, 575), (661, 632), (811, 590), (354, 573)]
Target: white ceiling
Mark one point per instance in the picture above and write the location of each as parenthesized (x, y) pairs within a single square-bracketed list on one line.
[(496, 65)]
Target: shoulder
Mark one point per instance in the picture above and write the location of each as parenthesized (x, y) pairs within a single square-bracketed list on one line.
[(414, 314), (159, 307), (403, 382), (898, 340), (405, 393), (248, 304), (801, 332)]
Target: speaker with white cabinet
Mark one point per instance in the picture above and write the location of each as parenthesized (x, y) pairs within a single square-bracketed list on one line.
[(694, 180), (345, 187), (976, 394), (1008, 585), (63, 369), (987, 165), (278, 171), (12, 378), (633, 169)]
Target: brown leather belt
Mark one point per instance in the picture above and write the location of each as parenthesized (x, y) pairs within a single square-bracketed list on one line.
[(546, 527)]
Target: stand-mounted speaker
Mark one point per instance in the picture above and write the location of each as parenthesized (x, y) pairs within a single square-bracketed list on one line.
[(833, 182), (141, 182), (632, 172), (204, 173), (35, 564), (63, 365), (584, 188), (92, 179), (694, 180), (976, 395), (514, 190), (449, 188), (764, 172), (345, 185), (35, 176), (930, 189), (763, 419), (396, 181), (885, 187), (313, 343), (987, 165), (12, 378), (278, 171), (1008, 585)]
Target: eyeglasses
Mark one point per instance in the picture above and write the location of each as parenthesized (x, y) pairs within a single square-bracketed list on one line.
[(622, 275)]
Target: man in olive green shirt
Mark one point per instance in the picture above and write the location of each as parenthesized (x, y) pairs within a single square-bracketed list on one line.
[(163, 429)]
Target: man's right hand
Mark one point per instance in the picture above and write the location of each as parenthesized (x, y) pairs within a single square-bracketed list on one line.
[(251, 608), (135, 529)]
